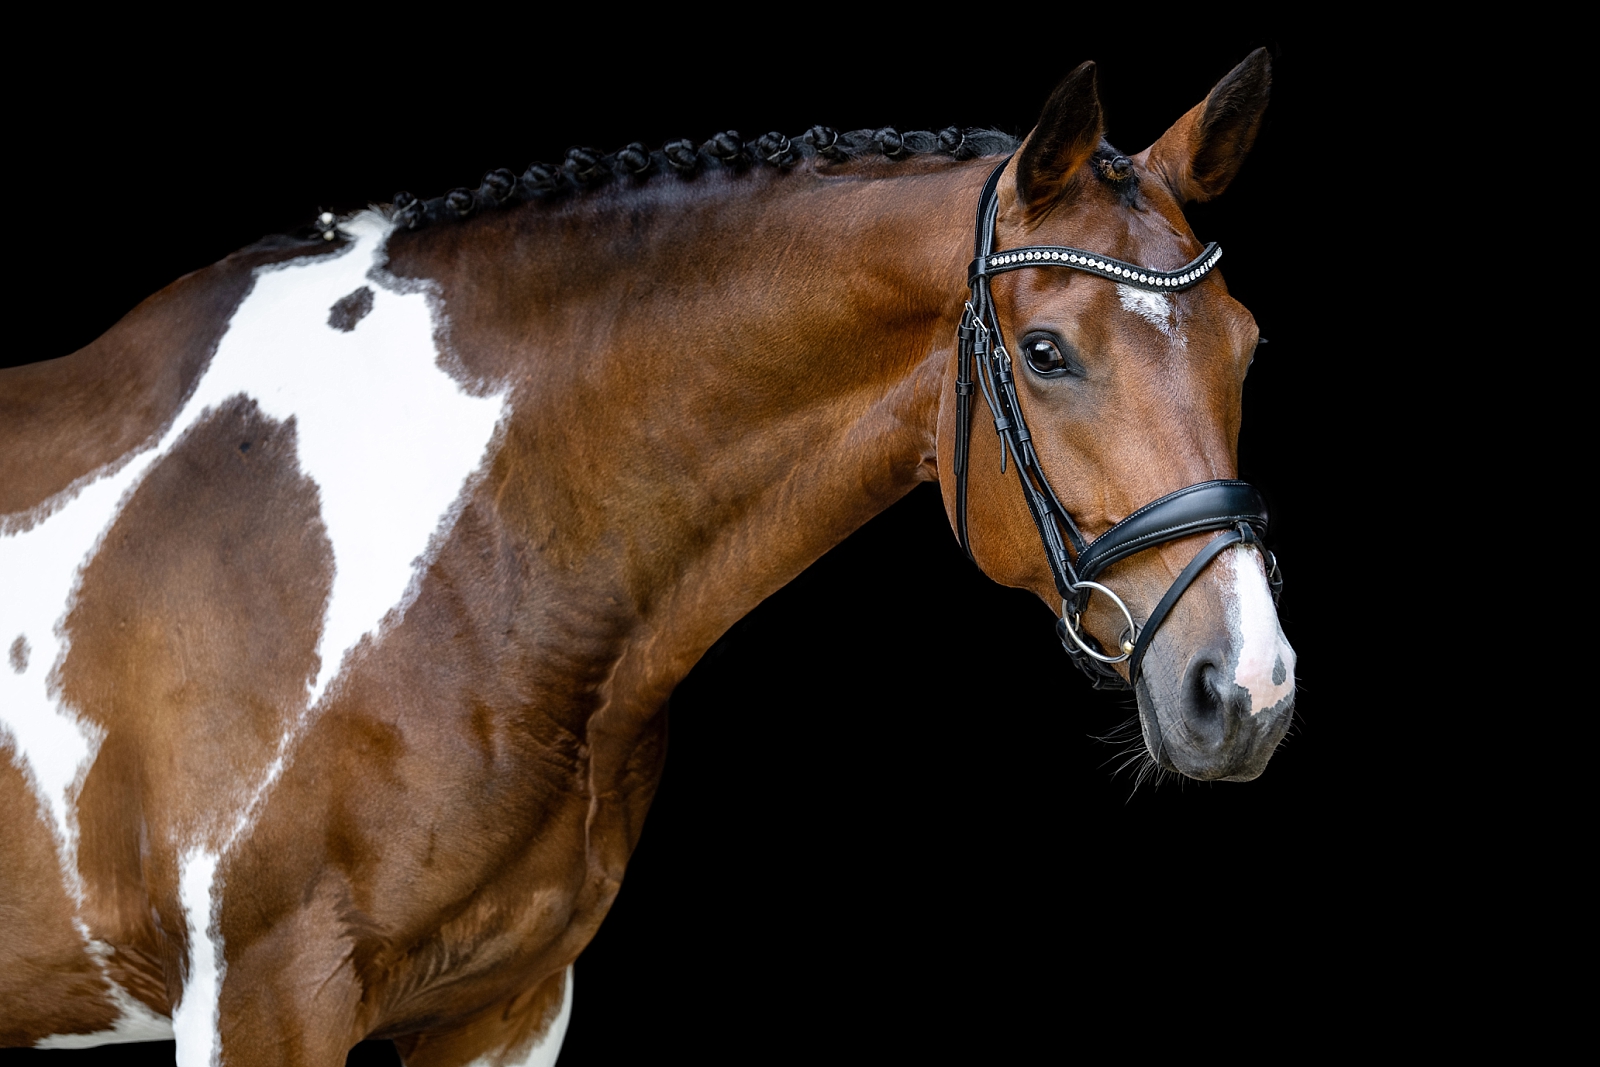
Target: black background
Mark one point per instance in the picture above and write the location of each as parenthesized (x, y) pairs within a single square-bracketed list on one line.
[(888, 826)]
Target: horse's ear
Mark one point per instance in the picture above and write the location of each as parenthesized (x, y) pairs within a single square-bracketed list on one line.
[(1201, 153), (1068, 133)]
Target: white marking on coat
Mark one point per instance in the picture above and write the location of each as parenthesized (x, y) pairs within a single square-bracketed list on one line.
[(387, 436), (1158, 309), (390, 440), (54, 746), (545, 1052), (135, 1022), (194, 1017), (1265, 661)]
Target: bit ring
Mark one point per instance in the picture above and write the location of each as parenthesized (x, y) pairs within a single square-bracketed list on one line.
[(1071, 621)]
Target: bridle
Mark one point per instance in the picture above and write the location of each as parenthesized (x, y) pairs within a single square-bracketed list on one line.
[(1236, 508)]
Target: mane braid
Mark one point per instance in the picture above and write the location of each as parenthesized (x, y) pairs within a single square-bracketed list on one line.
[(588, 168)]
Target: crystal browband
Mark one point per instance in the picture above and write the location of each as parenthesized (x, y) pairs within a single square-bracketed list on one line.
[(1157, 281)]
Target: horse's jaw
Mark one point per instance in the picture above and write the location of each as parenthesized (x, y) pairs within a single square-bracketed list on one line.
[(1217, 694)]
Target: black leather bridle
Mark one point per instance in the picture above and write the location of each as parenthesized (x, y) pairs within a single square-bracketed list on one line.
[(1233, 507)]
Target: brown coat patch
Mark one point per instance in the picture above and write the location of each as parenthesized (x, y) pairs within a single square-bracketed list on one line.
[(48, 983), (193, 640)]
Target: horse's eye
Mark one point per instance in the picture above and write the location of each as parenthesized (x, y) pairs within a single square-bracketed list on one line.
[(1043, 355)]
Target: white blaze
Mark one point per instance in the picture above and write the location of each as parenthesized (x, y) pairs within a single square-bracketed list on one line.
[(1265, 664), (389, 439)]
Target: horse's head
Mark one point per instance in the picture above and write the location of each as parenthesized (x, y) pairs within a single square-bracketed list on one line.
[(1131, 391)]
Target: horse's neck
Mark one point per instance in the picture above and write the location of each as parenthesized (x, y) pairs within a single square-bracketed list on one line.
[(714, 382)]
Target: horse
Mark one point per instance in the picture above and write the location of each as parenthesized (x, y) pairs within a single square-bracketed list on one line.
[(348, 577)]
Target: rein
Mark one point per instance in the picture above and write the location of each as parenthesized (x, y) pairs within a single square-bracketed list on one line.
[(1234, 507)]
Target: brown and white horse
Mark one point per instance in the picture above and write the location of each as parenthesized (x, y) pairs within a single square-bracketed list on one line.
[(344, 581)]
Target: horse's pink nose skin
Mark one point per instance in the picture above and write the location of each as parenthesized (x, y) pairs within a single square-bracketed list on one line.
[(1208, 728)]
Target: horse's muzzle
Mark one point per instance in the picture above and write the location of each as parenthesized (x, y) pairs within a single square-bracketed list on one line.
[(1206, 726)]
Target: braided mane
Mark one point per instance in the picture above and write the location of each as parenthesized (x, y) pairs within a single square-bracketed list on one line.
[(587, 168)]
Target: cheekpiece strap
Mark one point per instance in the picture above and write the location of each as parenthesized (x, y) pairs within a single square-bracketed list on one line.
[(1156, 281), (975, 344)]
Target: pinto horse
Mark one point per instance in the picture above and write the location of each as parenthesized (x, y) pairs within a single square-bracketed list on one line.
[(345, 580)]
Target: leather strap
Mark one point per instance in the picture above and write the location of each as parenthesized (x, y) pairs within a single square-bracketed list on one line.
[(1193, 509), (1186, 578), (968, 341)]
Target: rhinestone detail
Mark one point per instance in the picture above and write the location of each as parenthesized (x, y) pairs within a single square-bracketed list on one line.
[(1107, 268)]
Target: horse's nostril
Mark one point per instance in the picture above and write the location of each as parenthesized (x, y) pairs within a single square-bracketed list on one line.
[(1201, 688), (1209, 699)]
